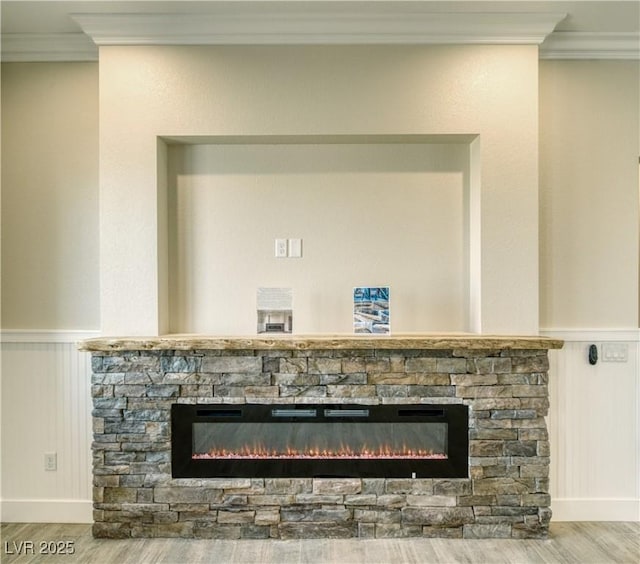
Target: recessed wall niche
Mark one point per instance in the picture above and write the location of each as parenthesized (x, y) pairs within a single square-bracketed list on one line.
[(370, 210)]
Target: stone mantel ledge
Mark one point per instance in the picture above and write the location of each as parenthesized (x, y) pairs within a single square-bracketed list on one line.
[(400, 341)]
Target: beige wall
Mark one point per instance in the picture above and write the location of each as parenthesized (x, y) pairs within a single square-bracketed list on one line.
[(589, 148), (368, 214), (588, 179), (589, 139), (150, 92), (50, 196)]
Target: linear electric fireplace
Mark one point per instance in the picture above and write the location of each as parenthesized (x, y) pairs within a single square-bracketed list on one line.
[(323, 440)]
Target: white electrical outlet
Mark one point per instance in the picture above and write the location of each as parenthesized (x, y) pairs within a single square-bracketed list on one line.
[(50, 461), (281, 248)]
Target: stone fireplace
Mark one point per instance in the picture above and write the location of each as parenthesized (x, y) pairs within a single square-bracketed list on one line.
[(501, 382)]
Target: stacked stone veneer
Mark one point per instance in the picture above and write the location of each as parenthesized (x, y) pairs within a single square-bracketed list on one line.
[(505, 496)]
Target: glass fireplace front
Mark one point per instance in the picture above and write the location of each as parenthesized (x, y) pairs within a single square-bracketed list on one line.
[(319, 441)]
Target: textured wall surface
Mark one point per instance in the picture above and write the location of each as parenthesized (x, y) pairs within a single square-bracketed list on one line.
[(589, 147), (50, 196), (153, 93), (379, 212)]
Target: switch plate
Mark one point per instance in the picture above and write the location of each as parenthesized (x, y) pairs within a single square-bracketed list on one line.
[(295, 248), (615, 352), (281, 248), (50, 461)]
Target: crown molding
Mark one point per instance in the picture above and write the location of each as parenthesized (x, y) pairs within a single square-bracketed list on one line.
[(318, 27), (314, 28), (47, 47), (583, 45)]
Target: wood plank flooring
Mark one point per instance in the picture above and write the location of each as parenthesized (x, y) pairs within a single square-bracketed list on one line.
[(580, 543)]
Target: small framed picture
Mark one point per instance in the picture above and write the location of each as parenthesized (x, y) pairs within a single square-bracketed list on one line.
[(275, 310), (371, 310)]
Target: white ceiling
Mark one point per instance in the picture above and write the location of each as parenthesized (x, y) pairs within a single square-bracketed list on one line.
[(62, 30)]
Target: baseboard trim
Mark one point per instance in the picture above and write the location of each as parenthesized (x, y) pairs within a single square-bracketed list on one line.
[(569, 509), (46, 511), (46, 336)]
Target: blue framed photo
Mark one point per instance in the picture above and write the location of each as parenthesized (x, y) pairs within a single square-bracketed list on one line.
[(371, 310)]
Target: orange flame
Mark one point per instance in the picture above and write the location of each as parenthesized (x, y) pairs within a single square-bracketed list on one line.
[(345, 452)]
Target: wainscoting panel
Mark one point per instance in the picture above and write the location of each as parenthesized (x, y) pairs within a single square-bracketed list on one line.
[(46, 408), (594, 423)]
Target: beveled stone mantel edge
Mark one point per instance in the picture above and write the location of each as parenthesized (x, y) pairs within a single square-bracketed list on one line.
[(400, 341)]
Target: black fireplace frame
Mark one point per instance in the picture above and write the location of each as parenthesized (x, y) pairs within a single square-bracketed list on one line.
[(183, 465)]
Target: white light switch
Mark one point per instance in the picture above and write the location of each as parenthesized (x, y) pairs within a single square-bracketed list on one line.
[(281, 248), (295, 248), (615, 352)]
